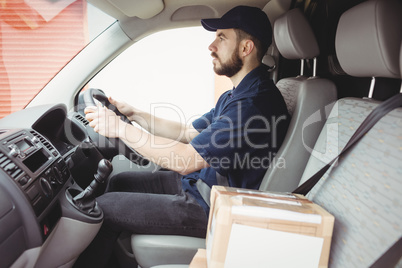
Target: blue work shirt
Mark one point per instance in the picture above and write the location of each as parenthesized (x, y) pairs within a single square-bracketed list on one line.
[(241, 135)]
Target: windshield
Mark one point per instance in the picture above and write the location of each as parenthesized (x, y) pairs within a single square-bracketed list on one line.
[(37, 39)]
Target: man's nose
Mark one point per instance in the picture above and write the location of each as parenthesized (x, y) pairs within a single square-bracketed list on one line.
[(212, 47)]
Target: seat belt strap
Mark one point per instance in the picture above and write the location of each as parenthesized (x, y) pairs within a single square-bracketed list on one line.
[(205, 190), (375, 115), (391, 257), (222, 180)]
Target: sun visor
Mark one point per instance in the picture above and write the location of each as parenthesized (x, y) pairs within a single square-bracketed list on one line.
[(143, 9)]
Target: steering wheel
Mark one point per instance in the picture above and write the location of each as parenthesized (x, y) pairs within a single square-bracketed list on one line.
[(110, 146)]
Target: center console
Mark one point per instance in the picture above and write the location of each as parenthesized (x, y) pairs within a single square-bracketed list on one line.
[(42, 209), (35, 166)]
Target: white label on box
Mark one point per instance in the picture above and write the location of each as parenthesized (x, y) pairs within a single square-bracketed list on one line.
[(257, 247), (279, 214)]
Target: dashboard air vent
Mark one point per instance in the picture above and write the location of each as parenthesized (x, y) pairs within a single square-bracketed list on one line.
[(9, 167), (82, 119), (44, 141)]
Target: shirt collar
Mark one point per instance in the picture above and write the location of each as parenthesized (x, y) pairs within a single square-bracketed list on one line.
[(248, 80), (230, 94)]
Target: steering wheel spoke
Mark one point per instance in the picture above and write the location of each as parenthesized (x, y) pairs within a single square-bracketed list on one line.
[(110, 146)]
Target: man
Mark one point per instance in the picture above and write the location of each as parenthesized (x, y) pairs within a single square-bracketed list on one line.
[(236, 140)]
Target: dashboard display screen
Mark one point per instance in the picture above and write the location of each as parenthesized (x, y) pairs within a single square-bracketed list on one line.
[(35, 161), (23, 145)]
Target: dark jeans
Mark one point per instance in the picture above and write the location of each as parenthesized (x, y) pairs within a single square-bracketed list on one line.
[(143, 203)]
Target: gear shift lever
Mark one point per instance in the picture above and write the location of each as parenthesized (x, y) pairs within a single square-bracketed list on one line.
[(85, 200)]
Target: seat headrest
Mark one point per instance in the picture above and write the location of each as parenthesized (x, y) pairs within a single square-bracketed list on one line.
[(269, 61), (294, 37), (368, 39)]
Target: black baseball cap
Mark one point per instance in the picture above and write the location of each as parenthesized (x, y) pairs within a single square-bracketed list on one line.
[(252, 20)]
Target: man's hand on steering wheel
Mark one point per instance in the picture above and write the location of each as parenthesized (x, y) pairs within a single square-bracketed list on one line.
[(110, 123), (124, 108), (105, 122)]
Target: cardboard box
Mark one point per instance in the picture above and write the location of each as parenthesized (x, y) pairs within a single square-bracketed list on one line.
[(251, 228), (199, 260)]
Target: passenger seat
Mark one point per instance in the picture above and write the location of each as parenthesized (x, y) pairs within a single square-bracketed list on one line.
[(363, 189)]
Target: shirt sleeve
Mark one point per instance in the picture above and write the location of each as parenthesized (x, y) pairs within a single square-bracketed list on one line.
[(204, 121)]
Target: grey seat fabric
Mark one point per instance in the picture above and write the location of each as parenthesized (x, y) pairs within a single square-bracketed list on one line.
[(314, 98), (363, 199), (289, 90), (364, 188), (295, 40), (305, 97)]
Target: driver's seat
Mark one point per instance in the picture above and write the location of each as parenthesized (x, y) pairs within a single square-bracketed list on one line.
[(304, 96)]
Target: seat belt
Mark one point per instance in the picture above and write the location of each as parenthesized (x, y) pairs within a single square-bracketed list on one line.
[(375, 115), (205, 190), (222, 180)]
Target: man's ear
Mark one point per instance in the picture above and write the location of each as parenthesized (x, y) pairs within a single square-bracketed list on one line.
[(247, 46)]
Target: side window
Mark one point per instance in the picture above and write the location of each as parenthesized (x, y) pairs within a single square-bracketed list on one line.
[(169, 74), (37, 39)]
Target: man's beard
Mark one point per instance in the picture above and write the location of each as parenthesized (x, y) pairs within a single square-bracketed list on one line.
[(231, 67)]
